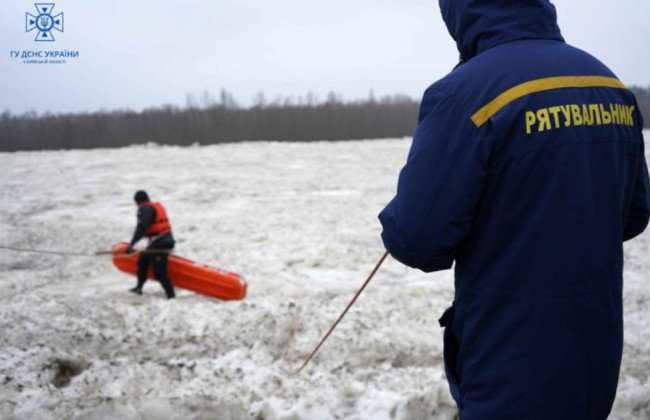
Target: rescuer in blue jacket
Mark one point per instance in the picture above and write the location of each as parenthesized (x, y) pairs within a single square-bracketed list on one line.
[(527, 170)]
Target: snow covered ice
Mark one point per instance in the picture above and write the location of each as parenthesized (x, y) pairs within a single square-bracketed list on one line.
[(299, 222)]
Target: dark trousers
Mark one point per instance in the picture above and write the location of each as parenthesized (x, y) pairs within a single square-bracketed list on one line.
[(158, 263)]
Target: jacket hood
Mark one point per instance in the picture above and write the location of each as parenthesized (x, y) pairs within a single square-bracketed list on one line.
[(477, 25)]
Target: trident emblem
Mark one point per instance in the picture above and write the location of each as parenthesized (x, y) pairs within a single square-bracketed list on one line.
[(44, 22)]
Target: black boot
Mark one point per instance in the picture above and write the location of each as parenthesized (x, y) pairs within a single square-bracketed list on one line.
[(137, 290)]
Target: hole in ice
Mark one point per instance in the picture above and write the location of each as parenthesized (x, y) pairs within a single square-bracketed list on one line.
[(66, 369)]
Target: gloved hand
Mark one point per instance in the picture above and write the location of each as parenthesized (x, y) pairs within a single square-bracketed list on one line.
[(129, 250)]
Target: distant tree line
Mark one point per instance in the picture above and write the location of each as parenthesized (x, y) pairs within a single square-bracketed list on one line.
[(205, 120)]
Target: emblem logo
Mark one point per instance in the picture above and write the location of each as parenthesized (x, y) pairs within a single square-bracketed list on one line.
[(44, 22)]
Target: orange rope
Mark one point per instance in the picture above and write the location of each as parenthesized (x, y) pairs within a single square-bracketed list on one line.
[(344, 312)]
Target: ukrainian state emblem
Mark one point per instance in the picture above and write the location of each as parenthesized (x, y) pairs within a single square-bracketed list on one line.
[(44, 22)]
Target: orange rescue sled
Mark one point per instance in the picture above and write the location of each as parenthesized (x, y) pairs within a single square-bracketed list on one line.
[(186, 274)]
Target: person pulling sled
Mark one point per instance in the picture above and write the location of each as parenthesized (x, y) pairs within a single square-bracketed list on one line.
[(154, 225)]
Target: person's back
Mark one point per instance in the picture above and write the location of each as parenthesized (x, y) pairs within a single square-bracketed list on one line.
[(528, 170)]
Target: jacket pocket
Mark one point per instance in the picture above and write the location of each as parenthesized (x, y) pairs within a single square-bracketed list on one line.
[(450, 353)]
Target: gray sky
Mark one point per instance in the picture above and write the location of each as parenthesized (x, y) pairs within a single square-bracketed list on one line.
[(138, 54)]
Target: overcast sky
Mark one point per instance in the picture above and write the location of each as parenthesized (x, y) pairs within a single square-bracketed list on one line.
[(138, 54)]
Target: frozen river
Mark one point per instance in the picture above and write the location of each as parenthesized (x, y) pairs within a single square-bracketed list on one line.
[(299, 221)]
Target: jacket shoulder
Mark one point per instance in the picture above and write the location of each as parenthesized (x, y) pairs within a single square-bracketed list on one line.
[(475, 83)]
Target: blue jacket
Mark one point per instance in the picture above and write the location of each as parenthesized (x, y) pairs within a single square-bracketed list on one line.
[(527, 170)]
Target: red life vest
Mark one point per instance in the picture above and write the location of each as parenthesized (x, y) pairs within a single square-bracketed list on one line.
[(160, 224)]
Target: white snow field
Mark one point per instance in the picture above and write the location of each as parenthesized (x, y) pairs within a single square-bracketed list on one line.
[(299, 221)]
